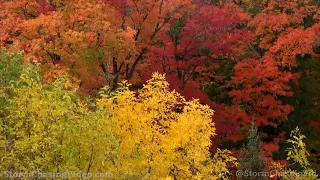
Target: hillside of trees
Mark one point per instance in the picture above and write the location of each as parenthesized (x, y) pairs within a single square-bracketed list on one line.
[(160, 89)]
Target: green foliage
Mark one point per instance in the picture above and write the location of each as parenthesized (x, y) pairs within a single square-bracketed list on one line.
[(10, 70), (251, 158), (216, 89), (10, 66)]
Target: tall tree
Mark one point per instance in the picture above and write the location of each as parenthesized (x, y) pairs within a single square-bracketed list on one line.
[(251, 157), (284, 32)]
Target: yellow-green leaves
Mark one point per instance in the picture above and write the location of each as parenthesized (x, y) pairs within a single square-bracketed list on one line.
[(35, 124), (298, 154)]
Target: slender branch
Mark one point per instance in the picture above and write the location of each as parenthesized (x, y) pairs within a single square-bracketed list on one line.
[(133, 67), (193, 70), (136, 6), (166, 20), (160, 7)]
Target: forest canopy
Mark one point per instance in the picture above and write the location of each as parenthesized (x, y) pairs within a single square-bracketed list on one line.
[(157, 89)]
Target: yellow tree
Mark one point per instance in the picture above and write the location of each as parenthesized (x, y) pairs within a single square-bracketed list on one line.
[(161, 134)]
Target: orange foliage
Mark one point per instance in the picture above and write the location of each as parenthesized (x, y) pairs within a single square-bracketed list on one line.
[(93, 38), (280, 27)]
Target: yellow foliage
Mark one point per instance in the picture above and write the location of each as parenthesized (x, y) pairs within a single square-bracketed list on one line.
[(161, 134), (152, 134)]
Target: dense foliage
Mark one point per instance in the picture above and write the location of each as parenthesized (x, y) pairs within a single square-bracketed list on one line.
[(153, 134), (66, 66)]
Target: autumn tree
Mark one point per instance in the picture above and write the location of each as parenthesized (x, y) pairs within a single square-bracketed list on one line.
[(76, 34), (285, 32), (192, 46), (152, 122)]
